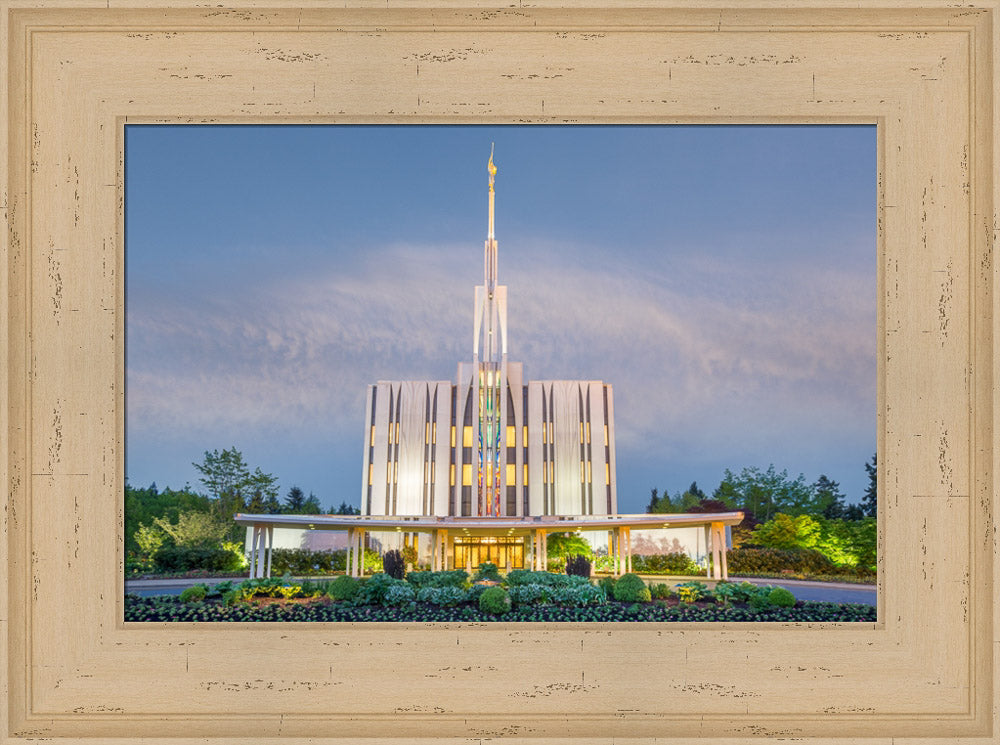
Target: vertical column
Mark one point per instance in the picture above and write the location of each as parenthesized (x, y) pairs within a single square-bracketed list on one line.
[(628, 548), (349, 556), (716, 561), (253, 549), (708, 551), (725, 559), (270, 546)]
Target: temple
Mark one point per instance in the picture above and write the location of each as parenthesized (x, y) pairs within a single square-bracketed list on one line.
[(484, 468)]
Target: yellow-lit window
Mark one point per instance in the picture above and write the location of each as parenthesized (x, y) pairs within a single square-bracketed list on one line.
[(396, 437), (545, 434), (467, 437), (583, 473), (432, 472), (371, 473), (395, 472), (453, 437), (605, 435), (589, 474), (467, 474), (372, 443), (525, 435), (588, 431), (545, 474), (607, 473), (427, 431), (526, 473), (434, 433), (511, 473), (451, 473), (511, 437), (581, 433), (552, 472)]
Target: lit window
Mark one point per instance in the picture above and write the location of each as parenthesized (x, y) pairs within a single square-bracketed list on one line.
[(588, 431), (607, 473), (581, 433), (371, 473), (552, 472), (372, 443), (453, 435), (395, 472), (427, 431), (467, 474), (511, 437), (525, 435), (451, 473), (511, 473), (397, 432), (432, 472), (583, 473), (434, 433), (526, 473), (605, 435), (467, 437), (545, 434), (588, 472)]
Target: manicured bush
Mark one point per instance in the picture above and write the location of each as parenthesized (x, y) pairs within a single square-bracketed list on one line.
[(183, 559), (343, 588), (578, 596), (532, 594), (631, 589), (394, 564), (487, 571), (526, 577), (194, 594), (753, 560), (578, 566), (303, 562), (672, 563), (494, 600), (781, 598), (372, 590)]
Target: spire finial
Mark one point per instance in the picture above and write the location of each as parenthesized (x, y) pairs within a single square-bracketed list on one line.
[(490, 167)]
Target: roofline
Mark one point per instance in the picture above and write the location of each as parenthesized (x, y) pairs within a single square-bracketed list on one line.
[(550, 523)]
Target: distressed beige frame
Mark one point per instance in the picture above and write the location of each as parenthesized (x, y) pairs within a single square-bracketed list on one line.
[(76, 72)]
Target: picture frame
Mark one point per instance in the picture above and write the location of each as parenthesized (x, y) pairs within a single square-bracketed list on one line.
[(76, 73)]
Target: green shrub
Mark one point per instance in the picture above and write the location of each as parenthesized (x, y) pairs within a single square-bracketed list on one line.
[(303, 562), (549, 579), (487, 571), (608, 585), (631, 589), (578, 566), (393, 564), (533, 594), (578, 596), (661, 590), (494, 600), (184, 559), (343, 588), (194, 594), (455, 578), (672, 563), (781, 598), (372, 590), (758, 560), (397, 595), (691, 591)]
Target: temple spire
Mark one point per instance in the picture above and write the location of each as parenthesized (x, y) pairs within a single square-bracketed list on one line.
[(493, 172)]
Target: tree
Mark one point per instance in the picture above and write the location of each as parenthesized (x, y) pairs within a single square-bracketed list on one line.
[(764, 493), (854, 512), (294, 500), (226, 476), (563, 545), (829, 498), (869, 502), (311, 506), (262, 497), (195, 530), (654, 500), (345, 509)]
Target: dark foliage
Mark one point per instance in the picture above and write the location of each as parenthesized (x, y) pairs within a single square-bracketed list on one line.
[(578, 566), (176, 559), (394, 564)]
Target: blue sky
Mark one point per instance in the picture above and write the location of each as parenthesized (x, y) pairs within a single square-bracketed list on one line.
[(721, 278)]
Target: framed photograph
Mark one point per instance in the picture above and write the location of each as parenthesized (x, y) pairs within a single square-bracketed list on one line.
[(74, 77)]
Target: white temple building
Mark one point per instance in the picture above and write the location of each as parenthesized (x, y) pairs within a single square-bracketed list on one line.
[(483, 468)]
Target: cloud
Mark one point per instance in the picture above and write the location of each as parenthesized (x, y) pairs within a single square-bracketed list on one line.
[(702, 353)]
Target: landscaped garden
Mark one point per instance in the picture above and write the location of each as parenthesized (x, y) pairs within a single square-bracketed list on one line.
[(521, 595)]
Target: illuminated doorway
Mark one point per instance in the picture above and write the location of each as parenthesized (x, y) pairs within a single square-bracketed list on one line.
[(503, 551)]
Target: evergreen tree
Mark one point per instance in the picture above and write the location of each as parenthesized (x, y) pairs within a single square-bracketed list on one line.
[(294, 500), (311, 506), (345, 509), (869, 501), (828, 498), (654, 500)]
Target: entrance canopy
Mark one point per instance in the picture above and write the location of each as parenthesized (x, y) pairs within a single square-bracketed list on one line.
[(443, 530)]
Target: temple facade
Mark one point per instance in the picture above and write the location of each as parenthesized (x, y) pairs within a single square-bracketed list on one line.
[(490, 443)]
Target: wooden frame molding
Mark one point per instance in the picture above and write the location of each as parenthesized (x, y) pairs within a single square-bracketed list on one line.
[(76, 71)]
